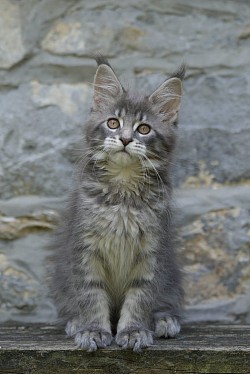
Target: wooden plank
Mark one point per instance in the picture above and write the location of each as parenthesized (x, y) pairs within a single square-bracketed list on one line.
[(198, 349)]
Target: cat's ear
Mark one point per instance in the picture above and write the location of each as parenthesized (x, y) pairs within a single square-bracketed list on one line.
[(107, 87), (166, 99)]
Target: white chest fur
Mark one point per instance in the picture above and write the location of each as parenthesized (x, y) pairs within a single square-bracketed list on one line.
[(119, 234), (117, 231)]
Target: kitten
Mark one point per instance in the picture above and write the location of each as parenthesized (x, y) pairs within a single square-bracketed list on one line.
[(115, 266)]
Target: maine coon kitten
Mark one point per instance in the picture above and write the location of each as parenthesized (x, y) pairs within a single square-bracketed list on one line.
[(115, 267)]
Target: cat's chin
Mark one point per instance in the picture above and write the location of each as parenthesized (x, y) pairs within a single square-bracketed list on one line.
[(123, 157)]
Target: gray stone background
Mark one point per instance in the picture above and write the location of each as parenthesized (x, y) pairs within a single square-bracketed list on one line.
[(46, 72)]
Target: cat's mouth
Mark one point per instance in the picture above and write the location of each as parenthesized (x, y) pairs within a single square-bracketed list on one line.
[(122, 157), (123, 151)]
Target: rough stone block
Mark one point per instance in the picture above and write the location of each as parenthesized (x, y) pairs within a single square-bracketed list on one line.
[(12, 49)]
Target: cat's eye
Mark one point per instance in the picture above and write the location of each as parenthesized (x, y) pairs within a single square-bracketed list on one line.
[(144, 129), (113, 123)]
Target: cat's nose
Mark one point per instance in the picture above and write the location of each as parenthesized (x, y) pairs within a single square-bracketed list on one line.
[(125, 141)]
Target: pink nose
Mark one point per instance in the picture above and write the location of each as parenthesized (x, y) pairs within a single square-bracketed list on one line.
[(125, 141)]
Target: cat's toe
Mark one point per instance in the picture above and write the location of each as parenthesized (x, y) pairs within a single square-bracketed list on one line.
[(135, 339), (91, 340), (167, 327)]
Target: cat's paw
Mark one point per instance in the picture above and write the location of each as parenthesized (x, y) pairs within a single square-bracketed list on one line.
[(72, 327), (134, 338), (91, 340), (88, 338), (167, 327)]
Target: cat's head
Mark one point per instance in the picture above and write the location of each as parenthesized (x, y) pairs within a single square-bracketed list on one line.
[(125, 126)]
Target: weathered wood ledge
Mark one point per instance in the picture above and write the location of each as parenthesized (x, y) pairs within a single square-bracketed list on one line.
[(198, 349)]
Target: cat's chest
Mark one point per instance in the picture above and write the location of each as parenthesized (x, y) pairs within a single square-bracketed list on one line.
[(118, 234), (120, 227)]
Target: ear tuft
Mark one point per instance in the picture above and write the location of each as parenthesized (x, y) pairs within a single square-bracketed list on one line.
[(179, 73), (101, 60)]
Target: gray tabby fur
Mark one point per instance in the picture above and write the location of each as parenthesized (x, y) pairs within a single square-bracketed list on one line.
[(116, 272)]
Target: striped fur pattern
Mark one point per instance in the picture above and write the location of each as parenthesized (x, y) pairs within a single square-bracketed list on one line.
[(116, 273)]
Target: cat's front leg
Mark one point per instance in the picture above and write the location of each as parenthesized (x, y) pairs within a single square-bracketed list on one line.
[(133, 326), (91, 329)]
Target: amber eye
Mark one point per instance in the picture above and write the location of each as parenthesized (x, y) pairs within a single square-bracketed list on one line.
[(113, 123), (143, 129)]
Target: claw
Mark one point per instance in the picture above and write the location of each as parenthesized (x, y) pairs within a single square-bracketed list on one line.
[(135, 339), (92, 340)]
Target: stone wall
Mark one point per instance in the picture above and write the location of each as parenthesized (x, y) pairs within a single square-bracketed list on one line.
[(46, 72)]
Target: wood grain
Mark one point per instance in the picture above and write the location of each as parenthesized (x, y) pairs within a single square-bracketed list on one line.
[(198, 349)]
